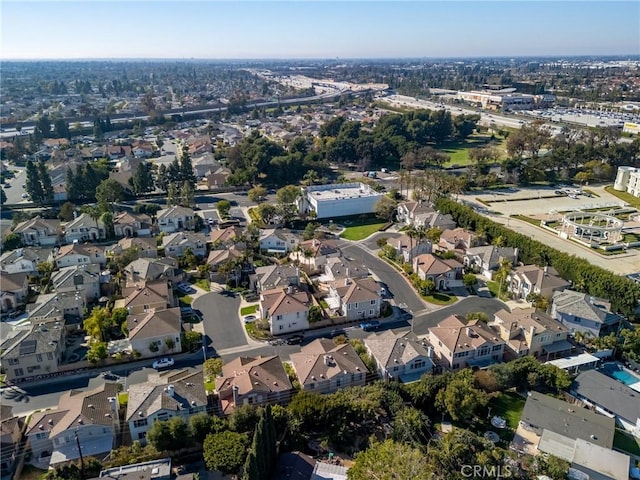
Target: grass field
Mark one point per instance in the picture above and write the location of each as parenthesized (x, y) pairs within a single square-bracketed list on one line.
[(204, 284), (508, 405), (624, 196), (185, 299), (459, 151), (360, 232), (440, 298)]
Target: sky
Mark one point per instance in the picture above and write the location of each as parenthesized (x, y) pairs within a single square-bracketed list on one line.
[(316, 29)]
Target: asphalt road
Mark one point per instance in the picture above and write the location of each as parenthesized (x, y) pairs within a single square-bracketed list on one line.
[(221, 323), (14, 193), (423, 322), (399, 289)]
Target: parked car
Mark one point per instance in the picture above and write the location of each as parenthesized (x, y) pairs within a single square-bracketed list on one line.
[(370, 326), (108, 375), (296, 339), (163, 363), (185, 287)]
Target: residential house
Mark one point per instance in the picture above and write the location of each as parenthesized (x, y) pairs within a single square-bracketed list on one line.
[(152, 470), (528, 331), (175, 219), (217, 258), (142, 150), (277, 241), (155, 332), (76, 254), (408, 248), (84, 229), (218, 178), (486, 260), (224, 238), (14, 288), (339, 268), (114, 152), (422, 214), (146, 246), (204, 165), (146, 269), (355, 299), (583, 313), (444, 273), (25, 260), (11, 427), (543, 413), (527, 279), (176, 244), (163, 396), (407, 211), (35, 351), (609, 397), (275, 276), (457, 240), (128, 224), (78, 278), (586, 459), (403, 358), (252, 381), (460, 344), (89, 418), (39, 232), (324, 367), (65, 307), (313, 254), (286, 309), (143, 297)]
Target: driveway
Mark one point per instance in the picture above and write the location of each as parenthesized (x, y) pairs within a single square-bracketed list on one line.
[(220, 320), (398, 287)]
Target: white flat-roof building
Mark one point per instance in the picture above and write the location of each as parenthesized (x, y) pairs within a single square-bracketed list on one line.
[(505, 99), (338, 200), (628, 180)]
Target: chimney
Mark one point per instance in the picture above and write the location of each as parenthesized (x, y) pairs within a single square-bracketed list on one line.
[(170, 390), (546, 269), (327, 360), (346, 272), (290, 289), (430, 351), (113, 403), (532, 330), (468, 331), (235, 389)]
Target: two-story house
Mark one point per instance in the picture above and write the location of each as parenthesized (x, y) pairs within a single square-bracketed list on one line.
[(143, 297), (286, 309), (355, 299), (324, 367), (175, 219), (155, 332), (583, 313), (528, 331), (25, 260), (217, 258), (408, 248), (252, 381), (78, 278), (176, 244), (486, 260), (313, 254), (163, 396), (460, 344), (34, 351), (445, 274), (531, 279), (146, 246), (14, 288), (39, 232), (457, 240), (275, 276), (274, 240), (76, 254), (339, 268), (401, 358), (84, 229), (63, 306), (148, 269), (408, 211), (129, 224), (11, 427), (225, 237), (89, 418)]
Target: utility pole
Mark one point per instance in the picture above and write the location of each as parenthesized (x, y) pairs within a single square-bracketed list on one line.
[(81, 458)]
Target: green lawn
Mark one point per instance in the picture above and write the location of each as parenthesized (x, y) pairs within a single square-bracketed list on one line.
[(185, 299), (249, 309), (459, 151), (204, 284), (508, 405), (624, 196), (360, 232), (440, 298), (624, 441), (530, 220), (255, 332)]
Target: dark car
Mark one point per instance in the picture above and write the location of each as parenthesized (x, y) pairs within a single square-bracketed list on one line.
[(370, 326), (295, 339)]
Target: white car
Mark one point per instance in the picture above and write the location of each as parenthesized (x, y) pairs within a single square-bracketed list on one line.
[(163, 362)]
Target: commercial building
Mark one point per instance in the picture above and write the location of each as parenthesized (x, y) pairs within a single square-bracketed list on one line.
[(338, 200), (505, 99), (628, 180)]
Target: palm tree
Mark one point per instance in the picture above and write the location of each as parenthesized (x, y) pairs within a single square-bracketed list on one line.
[(412, 232)]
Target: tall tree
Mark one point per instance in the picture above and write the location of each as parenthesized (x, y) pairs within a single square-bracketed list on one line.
[(109, 192), (45, 182), (33, 184)]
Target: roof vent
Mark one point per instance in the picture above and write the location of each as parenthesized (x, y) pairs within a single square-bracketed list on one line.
[(80, 421), (50, 422), (193, 402), (90, 405), (141, 414), (41, 427), (107, 415)]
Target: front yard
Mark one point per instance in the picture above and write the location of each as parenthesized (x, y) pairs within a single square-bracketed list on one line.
[(360, 232)]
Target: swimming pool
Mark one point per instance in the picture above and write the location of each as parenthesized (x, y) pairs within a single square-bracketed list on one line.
[(621, 374)]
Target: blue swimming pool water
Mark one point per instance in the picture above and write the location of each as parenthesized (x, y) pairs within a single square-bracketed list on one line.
[(621, 375)]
